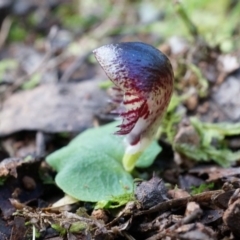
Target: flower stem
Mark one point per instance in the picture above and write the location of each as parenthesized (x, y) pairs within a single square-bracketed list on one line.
[(129, 161)]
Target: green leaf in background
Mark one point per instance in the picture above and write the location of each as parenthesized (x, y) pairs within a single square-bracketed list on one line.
[(90, 167), (149, 155), (206, 151), (215, 130), (200, 189), (7, 64), (32, 82), (116, 202), (172, 117), (105, 84)]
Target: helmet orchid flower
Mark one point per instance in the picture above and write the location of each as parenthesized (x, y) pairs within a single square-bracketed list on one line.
[(143, 77)]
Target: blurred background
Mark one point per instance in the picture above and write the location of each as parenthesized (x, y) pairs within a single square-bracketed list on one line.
[(44, 45), (29, 20), (77, 27)]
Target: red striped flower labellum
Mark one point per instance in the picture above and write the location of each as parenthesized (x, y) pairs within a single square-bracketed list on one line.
[(144, 77)]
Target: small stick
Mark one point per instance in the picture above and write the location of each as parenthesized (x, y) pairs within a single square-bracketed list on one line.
[(198, 198), (187, 21), (188, 219), (6, 25), (74, 67)]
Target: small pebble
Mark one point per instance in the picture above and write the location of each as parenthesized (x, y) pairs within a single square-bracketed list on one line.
[(29, 183)]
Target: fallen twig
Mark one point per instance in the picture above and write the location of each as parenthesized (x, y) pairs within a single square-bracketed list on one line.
[(6, 25), (206, 197), (188, 219), (73, 67)]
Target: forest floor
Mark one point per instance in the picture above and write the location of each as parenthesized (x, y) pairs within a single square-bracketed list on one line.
[(52, 89)]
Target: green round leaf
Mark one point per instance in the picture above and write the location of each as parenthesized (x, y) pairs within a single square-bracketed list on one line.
[(90, 167), (93, 176)]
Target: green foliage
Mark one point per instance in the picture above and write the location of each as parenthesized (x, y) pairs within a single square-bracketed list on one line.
[(77, 227), (203, 187), (206, 150), (90, 167), (35, 233), (202, 87), (7, 64), (2, 180), (105, 84), (216, 22), (17, 33), (32, 82), (116, 202), (61, 230), (45, 177), (223, 157), (208, 131), (72, 19), (187, 21), (171, 118)]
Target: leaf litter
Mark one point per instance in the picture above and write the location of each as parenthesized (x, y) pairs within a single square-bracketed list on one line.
[(201, 200)]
